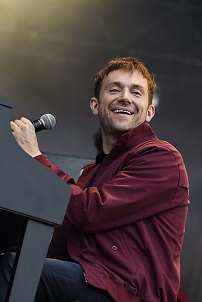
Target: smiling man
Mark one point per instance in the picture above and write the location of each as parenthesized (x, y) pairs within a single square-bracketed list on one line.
[(122, 104), (124, 226)]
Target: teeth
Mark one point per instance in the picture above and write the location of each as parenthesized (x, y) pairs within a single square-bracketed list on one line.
[(122, 111)]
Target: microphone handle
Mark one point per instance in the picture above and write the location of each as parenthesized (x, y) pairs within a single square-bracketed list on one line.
[(38, 125)]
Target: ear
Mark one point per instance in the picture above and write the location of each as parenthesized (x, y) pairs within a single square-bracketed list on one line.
[(94, 105), (150, 113)]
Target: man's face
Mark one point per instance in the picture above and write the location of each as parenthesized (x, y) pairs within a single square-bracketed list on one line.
[(123, 102)]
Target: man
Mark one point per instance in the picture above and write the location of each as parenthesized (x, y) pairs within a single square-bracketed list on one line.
[(123, 230)]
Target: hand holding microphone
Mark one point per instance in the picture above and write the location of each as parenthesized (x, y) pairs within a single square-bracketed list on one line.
[(24, 132)]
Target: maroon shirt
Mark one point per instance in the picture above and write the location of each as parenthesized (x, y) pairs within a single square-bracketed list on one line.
[(127, 228)]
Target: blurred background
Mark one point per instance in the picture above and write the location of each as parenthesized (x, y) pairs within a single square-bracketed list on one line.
[(50, 51)]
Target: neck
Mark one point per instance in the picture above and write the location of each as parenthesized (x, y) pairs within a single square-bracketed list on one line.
[(108, 143)]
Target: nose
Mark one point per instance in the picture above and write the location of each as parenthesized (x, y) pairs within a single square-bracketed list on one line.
[(125, 97)]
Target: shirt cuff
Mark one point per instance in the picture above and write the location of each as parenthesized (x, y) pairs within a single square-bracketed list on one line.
[(43, 160)]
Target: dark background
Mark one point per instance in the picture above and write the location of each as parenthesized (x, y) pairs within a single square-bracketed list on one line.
[(50, 51)]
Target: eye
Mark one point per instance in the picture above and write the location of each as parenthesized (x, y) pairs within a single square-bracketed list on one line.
[(115, 90), (136, 92)]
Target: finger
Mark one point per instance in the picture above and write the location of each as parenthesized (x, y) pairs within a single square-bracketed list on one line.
[(18, 123), (25, 120), (23, 124), (13, 125)]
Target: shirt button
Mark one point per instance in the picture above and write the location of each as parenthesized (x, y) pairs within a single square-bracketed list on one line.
[(114, 248)]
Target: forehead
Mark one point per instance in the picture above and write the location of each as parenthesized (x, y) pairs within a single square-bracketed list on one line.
[(125, 77)]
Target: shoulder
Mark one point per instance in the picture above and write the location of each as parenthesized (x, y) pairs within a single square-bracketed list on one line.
[(157, 147)]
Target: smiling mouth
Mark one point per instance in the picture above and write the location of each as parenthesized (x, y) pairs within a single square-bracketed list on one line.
[(123, 111)]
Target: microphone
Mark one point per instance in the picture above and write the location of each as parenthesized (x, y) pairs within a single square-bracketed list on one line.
[(46, 121)]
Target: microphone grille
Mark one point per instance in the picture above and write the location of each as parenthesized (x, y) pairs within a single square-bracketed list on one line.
[(48, 120)]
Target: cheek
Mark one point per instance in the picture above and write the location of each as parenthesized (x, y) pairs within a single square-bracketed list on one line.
[(101, 108), (102, 113)]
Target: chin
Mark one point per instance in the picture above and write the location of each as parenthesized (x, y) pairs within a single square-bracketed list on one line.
[(122, 130)]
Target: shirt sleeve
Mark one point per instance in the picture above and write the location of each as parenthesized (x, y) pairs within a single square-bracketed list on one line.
[(55, 169)]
